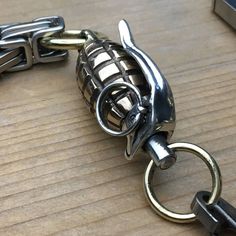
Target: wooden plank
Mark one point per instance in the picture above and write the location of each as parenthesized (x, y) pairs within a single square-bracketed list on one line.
[(61, 175)]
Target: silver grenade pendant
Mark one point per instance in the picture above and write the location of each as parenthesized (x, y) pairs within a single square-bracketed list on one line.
[(100, 63), (128, 94)]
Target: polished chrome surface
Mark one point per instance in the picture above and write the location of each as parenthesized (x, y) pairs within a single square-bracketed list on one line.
[(226, 9), (216, 183), (160, 102), (19, 43)]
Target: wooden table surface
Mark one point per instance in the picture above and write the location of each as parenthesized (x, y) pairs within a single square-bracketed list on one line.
[(61, 174)]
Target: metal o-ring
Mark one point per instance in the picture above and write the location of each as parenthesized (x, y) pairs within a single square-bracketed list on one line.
[(102, 99), (216, 183)]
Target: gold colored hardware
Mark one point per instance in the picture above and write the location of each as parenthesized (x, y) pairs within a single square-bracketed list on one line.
[(216, 183), (68, 40)]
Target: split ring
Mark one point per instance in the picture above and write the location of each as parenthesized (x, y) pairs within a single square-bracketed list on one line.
[(216, 183)]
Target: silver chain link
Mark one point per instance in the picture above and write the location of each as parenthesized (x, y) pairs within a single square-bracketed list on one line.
[(19, 43)]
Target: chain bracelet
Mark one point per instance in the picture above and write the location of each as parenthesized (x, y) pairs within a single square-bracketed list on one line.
[(19, 43), (130, 97)]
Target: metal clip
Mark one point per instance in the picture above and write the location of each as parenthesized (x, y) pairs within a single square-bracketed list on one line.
[(19, 43), (215, 217)]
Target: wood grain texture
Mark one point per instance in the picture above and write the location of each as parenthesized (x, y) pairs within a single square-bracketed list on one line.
[(61, 175)]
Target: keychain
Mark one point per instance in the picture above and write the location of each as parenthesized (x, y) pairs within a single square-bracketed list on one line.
[(129, 96)]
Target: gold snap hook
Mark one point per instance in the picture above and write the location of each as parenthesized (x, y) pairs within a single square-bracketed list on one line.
[(68, 40), (216, 183)]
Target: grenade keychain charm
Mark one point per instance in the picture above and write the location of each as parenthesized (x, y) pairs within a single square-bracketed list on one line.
[(129, 96)]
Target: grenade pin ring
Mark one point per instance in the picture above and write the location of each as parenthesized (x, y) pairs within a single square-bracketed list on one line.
[(134, 118)]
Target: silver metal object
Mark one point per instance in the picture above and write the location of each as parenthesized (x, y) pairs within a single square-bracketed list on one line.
[(128, 93), (19, 43), (102, 99), (226, 9), (217, 217), (22, 61), (9, 59), (160, 117), (157, 144), (100, 63), (57, 26)]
